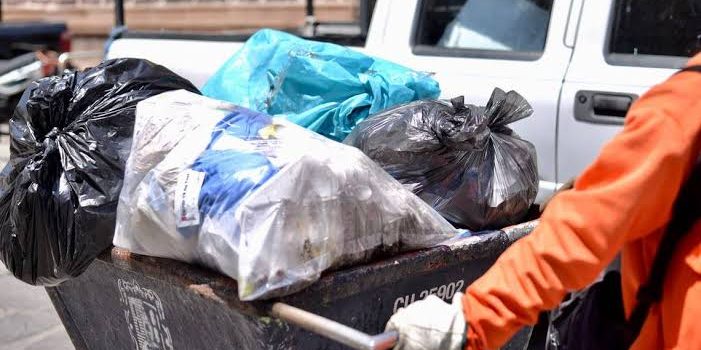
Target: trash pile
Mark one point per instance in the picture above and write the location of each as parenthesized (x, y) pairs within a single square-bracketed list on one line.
[(258, 198), (324, 87), (71, 136), (251, 180), (461, 159)]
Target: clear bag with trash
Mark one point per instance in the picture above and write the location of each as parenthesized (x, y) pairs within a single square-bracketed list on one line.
[(258, 198), (461, 159), (324, 87), (70, 137)]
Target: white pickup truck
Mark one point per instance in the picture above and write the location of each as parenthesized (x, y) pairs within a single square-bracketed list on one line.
[(579, 62)]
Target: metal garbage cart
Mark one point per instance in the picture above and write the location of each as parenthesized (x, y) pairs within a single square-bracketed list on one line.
[(126, 301)]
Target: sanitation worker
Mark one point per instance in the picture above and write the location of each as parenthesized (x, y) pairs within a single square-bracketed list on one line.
[(620, 204)]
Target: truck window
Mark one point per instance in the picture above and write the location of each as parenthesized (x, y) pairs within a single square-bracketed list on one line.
[(654, 33), (514, 29)]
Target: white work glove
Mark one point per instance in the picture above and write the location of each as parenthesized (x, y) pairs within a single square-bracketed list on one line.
[(565, 187), (430, 324)]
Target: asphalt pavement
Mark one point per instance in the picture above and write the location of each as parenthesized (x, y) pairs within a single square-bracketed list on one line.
[(27, 318)]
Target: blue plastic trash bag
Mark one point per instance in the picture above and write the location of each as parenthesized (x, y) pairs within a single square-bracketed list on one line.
[(324, 87), (258, 198)]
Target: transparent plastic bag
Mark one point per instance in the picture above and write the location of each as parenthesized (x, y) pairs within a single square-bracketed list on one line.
[(71, 135), (461, 159), (258, 198), (324, 87)]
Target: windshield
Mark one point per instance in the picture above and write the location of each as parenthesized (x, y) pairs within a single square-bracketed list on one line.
[(498, 28), (519, 25)]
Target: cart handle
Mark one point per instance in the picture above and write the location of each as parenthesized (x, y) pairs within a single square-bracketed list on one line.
[(333, 330)]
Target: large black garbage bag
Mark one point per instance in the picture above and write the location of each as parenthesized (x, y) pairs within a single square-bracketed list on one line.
[(71, 136), (461, 159)]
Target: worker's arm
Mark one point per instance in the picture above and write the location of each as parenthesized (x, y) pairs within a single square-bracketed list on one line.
[(626, 193)]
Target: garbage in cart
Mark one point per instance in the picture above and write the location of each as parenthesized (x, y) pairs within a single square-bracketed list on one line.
[(324, 87), (258, 198), (461, 159), (70, 138)]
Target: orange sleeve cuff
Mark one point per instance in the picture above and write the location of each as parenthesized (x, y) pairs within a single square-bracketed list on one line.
[(474, 340)]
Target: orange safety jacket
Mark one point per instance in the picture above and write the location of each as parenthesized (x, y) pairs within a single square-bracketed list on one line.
[(620, 202)]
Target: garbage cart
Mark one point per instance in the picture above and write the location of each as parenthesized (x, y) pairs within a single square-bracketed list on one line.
[(127, 301)]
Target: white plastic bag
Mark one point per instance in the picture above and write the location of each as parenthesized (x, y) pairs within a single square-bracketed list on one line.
[(258, 198)]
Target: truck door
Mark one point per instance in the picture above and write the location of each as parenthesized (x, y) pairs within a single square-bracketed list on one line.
[(474, 46), (623, 47)]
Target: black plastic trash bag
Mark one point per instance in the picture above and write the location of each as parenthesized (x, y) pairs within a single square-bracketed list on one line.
[(71, 135), (461, 159)]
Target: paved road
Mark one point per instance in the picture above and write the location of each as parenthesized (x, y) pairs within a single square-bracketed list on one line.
[(27, 318)]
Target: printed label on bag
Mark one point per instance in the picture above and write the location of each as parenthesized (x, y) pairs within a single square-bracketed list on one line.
[(187, 195)]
